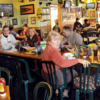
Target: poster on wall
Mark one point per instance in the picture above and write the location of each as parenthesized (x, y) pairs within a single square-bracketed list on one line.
[(27, 9), (1, 24), (39, 13), (78, 12), (24, 20), (71, 17), (64, 12), (92, 13), (7, 22), (84, 12), (72, 10)]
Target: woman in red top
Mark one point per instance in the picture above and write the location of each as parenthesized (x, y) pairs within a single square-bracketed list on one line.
[(31, 38), (51, 53)]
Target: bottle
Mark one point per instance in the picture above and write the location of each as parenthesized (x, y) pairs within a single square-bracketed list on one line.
[(23, 33), (2, 87)]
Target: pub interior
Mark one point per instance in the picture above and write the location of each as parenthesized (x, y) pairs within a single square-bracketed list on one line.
[(50, 49)]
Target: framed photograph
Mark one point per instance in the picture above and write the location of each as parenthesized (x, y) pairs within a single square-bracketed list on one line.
[(21, 0), (7, 22), (24, 20), (78, 12), (72, 10), (14, 21), (33, 20), (31, 0), (64, 18), (64, 12), (70, 17), (27, 9), (44, 10), (60, 1), (1, 24), (84, 12), (92, 13)]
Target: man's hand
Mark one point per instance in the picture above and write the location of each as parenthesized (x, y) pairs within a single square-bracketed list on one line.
[(68, 46)]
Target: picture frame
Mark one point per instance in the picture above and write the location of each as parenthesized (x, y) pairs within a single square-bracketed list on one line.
[(24, 20), (42, 0), (60, 1), (27, 9), (1, 22), (78, 12), (72, 10), (92, 13), (31, 0), (85, 12), (70, 17), (33, 20), (64, 12), (14, 21), (20, 0), (7, 22)]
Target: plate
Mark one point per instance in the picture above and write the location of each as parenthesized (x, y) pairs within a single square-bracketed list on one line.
[(68, 55)]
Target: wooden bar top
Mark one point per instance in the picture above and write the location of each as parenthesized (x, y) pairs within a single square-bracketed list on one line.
[(7, 97)]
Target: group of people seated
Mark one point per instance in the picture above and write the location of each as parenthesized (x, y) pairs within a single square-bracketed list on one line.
[(8, 38), (86, 27)]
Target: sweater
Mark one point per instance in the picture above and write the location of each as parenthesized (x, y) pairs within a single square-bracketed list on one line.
[(52, 54)]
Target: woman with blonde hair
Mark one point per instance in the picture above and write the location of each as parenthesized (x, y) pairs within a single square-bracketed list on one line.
[(31, 38), (51, 53)]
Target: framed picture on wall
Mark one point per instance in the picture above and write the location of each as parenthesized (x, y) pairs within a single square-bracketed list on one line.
[(33, 20), (24, 20), (14, 21), (72, 10), (92, 13), (64, 12), (84, 12), (70, 17), (27, 9), (21, 0), (31, 0), (78, 12), (1, 24), (60, 1), (7, 22)]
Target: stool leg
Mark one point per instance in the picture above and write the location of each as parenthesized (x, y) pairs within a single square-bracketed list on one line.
[(77, 95)]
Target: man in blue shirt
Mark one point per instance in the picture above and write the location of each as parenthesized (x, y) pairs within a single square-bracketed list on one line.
[(13, 32)]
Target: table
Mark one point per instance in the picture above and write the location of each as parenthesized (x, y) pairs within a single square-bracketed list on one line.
[(7, 97), (23, 54), (90, 39)]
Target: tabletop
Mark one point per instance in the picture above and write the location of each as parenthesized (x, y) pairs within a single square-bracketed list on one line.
[(23, 54), (7, 97)]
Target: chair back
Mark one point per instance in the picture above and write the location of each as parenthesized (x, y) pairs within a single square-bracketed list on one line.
[(47, 93), (85, 88), (50, 66), (16, 65), (5, 73)]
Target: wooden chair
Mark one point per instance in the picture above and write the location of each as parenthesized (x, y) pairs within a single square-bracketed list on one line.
[(53, 78), (85, 88), (46, 87)]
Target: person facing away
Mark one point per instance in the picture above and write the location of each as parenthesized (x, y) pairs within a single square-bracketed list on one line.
[(8, 41), (77, 25), (71, 37), (25, 30), (31, 38), (51, 53), (13, 32), (85, 23)]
